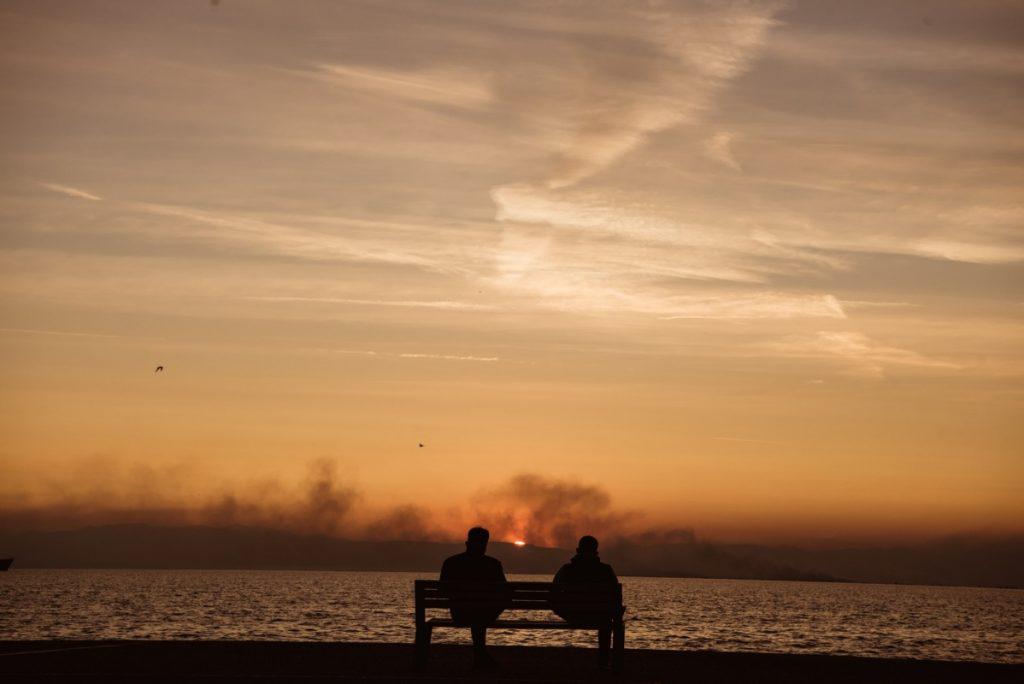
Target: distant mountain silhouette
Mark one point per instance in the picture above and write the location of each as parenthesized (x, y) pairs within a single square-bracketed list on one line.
[(207, 547), (204, 547), (978, 561), (965, 561)]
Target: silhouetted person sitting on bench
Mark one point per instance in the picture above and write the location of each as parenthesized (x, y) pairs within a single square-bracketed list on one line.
[(586, 568), (475, 566)]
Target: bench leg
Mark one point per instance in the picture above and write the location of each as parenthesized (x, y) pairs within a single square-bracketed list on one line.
[(618, 645), (604, 646), (423, 633)]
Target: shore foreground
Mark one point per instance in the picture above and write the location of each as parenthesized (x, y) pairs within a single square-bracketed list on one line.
[(216, 661)]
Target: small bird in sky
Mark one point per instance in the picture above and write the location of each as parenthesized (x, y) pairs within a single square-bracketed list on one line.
[(159, 369), (421, 445)]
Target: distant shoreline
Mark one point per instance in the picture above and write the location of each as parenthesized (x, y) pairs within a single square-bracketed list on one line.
[(992, 563), (433, 571), (209, 661)]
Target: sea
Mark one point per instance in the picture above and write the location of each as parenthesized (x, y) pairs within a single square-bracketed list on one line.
[(880, 620)]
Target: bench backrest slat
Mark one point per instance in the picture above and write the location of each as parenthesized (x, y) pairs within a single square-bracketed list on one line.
[(517, 595)]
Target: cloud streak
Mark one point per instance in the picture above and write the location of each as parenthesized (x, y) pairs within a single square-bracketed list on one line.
[(576, 252), (443, 305), (59, 333), (687, 57), (416, 355), (279, 238), (761, 305), (863, 354), (71, 192), (719, 148), (450, 357), (450, 87)]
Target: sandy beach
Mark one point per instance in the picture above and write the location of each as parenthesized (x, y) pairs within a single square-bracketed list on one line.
[(209, 661)]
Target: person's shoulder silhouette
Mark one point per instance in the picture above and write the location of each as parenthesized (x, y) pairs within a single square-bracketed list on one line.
[(586, 566), (473, 564)]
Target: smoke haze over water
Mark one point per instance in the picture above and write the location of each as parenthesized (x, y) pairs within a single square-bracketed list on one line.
[(130, 519), (322, 503), (544, 511), (549, 512), (541, 510)]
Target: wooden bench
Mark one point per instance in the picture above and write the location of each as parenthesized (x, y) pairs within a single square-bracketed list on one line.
[(591, 598)]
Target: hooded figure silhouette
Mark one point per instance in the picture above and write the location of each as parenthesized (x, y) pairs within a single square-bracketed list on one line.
[(474, 565), (586, 568)]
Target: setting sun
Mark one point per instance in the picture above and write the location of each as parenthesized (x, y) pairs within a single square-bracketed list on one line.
[(519, 542)]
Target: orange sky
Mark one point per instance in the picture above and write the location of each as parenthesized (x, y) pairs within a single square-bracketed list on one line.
[(752, 268)]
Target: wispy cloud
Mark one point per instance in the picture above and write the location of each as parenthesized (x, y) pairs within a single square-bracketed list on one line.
[(71, 192), (450, 357), (414, 355), (758, 305), (719, 148), (443, 305), (452, 87), (597, 214), (927, 53), (590, 287), (979, 235), (688, 57), (863, 354), (60, 333), (971, 252), (866, 304), (737, 251), (576, 251), (278, 238)]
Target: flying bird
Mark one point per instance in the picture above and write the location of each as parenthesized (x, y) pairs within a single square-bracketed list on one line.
[(159, 369), (421, 445)]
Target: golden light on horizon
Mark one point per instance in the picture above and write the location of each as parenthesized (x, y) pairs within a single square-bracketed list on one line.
[(519, 542)]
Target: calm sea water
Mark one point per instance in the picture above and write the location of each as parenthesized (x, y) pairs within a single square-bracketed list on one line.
[(951, 623)]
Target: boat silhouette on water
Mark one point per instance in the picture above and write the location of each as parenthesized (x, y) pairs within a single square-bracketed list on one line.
[(5, 563)]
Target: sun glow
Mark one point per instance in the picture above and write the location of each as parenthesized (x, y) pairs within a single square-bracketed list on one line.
[(519, 542)]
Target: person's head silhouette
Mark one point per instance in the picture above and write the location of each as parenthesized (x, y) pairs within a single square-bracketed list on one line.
[(476, 540), (587, 545)]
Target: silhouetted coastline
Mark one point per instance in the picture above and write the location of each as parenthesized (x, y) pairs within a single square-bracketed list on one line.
[(240, 547), (965, 562)]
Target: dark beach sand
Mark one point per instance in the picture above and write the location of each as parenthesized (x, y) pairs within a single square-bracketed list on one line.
[(213, 661)]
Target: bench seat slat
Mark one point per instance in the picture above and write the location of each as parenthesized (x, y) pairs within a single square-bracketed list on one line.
[(498, 598), (520, 605), (520, 586), (435, 594), (516, 600), (514, 624), (518, 592), (471, 591)]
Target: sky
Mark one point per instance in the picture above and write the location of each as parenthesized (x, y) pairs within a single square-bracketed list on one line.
[(748, 268)]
